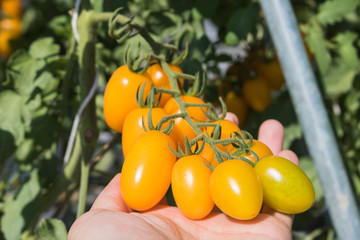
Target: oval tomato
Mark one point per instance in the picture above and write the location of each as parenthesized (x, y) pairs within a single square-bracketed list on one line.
[(236, 104), (147, 169), (120, 96), (286, 187), (190, 187), (181, 127), (12, 8), (260, 148), (257, 94), (270, 71), (236, 189), (133, 125), (171, 107), (227, 129), (161, 79)]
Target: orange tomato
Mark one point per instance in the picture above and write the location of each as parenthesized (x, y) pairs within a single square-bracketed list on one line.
[(120, 96), (257, 94), (147, 169), (227, 130), (260, 148), (181, 127), (271, 72), (236, 189), (10, 28), (161, 79), (11, 8), (190, 187), (237, 105), (133, 125)]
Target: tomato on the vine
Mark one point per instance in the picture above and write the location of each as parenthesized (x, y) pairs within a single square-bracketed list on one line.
[(257, 93), (260, 148), (236, 189), (286, 187), (133, 125), (227, 130), (161, 79), (190, 187), (147, 169), (120, 95), (181, 127)]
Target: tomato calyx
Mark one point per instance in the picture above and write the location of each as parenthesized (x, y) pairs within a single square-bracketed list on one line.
[(151, 126), (150, 100), (188, 151)]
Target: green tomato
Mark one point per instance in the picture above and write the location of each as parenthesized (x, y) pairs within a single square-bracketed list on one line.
[(286, 187)]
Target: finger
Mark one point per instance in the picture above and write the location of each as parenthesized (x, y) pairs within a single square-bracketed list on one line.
[(110, 197), (271, 132), (289, 155), (232, 117)]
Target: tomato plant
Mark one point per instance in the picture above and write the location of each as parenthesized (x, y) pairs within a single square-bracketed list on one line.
[(120, 95), (236, 189), (161, 79), (190, 187), (133, 125), (147, 169), (286, 187)]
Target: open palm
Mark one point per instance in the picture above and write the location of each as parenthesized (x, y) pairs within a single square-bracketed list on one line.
[(110, 218)]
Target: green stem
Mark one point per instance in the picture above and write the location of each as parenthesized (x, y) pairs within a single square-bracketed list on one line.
[(88, 126)]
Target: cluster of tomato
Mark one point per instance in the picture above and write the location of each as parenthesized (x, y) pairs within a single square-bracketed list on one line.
[(238, 183), (10, 25), (251, 84)]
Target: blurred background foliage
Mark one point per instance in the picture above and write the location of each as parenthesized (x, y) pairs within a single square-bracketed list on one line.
[(39, 92)]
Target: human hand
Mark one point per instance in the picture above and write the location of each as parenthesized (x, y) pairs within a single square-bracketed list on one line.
[(110, 218)]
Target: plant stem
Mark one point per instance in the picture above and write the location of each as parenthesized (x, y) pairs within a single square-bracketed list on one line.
[(88, 127)]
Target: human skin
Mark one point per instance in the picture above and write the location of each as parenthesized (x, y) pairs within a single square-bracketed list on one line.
[(110, 218)]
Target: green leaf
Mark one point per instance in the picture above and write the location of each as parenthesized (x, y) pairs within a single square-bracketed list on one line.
[(22, 71), (317, 43), (346, 48), (44, 48), (242, 22), (7, 143), (332, 11), (339, 79), (46, 82), (51, 229), (21, 207), (163, 24), (292, 132), (11, 111), (352, 101), (61, 25), (308, 166), (207, 9)]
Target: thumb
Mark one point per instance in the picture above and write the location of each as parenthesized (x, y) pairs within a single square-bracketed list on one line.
[(110, 198)]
